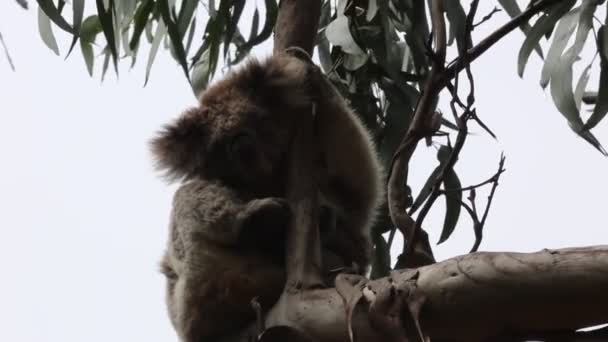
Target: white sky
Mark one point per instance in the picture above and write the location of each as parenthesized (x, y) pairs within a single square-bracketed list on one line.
[(83, 217)]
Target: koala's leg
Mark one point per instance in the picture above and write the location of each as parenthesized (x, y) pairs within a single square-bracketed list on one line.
[(354, 179), (213, 212)]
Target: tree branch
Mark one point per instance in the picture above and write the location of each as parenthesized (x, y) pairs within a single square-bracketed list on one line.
[(475, 297)]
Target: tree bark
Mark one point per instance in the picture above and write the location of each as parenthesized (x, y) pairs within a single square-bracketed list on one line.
[(297, 24), (476, 297)]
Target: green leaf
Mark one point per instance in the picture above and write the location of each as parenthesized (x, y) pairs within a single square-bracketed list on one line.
[(233, 24), (87, 53), (372, 9), (161, 30), (338, 33), (601, 104), (381, 264), (46, 32), (457, 18), (564, 30), (78, 10), (561, 78), (201, 73), (579, 91), (453, 201), (426, 190), (91, 27), (190, 35), (563, 96), (513, 10), (186, 13), (542, 26), (54, 14), (141, 19), (106, 62), (272, 11), (106, 18), (354, 62), (174, 34)]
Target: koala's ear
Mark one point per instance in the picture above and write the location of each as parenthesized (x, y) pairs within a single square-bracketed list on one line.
[(179, 148), (281, 78)]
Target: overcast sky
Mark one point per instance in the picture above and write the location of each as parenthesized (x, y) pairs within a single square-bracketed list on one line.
[(83, 216)]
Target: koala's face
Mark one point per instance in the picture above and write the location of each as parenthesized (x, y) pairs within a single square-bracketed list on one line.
[(241, 131)]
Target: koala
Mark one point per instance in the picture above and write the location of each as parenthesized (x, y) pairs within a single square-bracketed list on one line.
[(224, 250), (229, 219)]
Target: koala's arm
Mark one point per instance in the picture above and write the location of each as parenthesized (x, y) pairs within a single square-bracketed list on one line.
[(217, 214)]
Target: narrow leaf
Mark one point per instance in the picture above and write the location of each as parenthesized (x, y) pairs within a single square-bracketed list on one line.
[(513, 10), (601, 102), (176, 39), (452, 205), (46, 32), (54, 14), (564, 30), (272, 11), (141, 19), (88, 55), (91, 27), (426, 189), (372, 9), (106, 18), (581, 85), (78, 12), (232, 24), (161, 30), (106, 63), (186, 13)]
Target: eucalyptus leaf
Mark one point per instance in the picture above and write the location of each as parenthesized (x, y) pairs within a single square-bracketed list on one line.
[(54, 14), (564, 30), (88, 55), (542, 26), (161, 31), (201, 73), (186, 15), (91, 27), (46, 31), (453, 201), (140, 21), (232, 24), (601, 102), (581, 85), (78, 12), (338, 33), (513, 10), (372, 9), (426, 190), (106, 18), (457, 18), (175, 36)]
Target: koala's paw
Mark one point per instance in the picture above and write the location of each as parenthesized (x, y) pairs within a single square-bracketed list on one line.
[(265, 221)]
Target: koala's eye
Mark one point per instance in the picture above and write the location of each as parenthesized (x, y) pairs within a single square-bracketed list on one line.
[(242, 146)]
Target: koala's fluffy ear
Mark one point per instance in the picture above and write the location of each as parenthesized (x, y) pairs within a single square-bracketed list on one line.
[(179, 147), (281, 78)]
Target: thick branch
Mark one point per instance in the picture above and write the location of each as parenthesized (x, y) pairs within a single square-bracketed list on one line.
[(472, 298), (297, 24)]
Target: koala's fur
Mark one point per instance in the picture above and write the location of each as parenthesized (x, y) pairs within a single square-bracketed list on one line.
[(228, 224)]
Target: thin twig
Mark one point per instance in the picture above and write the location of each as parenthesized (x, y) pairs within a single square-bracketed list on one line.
[(487, 16), (476, 51), (8, 56)]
